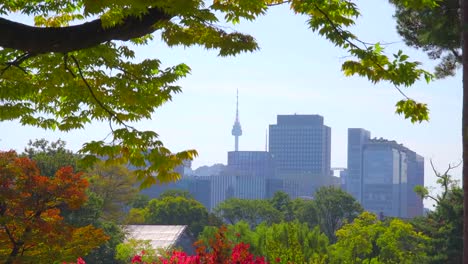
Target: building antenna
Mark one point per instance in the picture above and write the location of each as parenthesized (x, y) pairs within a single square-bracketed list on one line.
[(266, 140), (236, 128)]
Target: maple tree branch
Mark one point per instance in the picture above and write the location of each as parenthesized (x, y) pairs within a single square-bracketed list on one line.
[(352, 44), (65, 64), (279, 3), (101, 104), (10, 236), (17, 63), (39, 40)]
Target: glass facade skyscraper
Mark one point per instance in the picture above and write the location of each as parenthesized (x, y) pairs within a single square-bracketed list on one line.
[(357, 137), (382, 175), (385, 178), (301, 143)]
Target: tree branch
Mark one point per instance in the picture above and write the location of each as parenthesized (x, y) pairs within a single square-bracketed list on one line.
[(339, 31), (101, 104), (39, 40), (17, 62)]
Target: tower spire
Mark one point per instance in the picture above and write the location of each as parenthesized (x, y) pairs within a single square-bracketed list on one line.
[(236, 128), (237, 106)]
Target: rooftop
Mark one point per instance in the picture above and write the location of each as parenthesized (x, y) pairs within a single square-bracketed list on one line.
[(160, 236)]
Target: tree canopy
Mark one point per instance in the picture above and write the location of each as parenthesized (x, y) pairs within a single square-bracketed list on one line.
[(335, 208), (172, 210), (31, 226), (253, 212), (434, 30), (77, 64), (368, 240), (444, 225)]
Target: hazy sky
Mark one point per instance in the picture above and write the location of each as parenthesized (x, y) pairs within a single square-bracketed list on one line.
[(295, 71)]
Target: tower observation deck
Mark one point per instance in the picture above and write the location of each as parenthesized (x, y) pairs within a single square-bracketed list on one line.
[(236, 128)]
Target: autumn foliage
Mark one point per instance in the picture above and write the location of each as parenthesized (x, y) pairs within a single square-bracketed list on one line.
[(32, 229)]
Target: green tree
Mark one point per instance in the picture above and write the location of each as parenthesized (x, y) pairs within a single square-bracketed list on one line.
[(136, 216), (139, 201), (177, 211), (101, 201), (434, 30), (107, 252), (368, 240), (444, 225), (291, 242), (439, 32), (282, 202), (58, 76), (251, 211), (50, 156), (115, 185), (305, 211), (285, 242), (176, 193), (90, 214), (334, 209)]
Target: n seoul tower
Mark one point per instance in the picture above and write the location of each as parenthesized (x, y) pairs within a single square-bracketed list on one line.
[(236, 128)]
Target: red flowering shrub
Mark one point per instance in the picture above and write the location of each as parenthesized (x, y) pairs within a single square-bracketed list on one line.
[(222, 252)]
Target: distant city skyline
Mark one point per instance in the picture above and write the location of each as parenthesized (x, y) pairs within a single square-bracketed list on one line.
[(295, 71)]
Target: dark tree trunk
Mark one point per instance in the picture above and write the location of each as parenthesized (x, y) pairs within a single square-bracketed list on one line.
[(14, 253), (464, 21), (37, 40)]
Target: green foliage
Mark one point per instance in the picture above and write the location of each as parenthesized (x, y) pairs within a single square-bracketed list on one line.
[(103, 81), (282, 202), (335, 208), (177, 211), (434, 29), (176, 193), (331, 20), (115, 185), (126, 251), (137, 216), (291, 242), (413, 110), (251, 211), (105, 194), (50, 156), (139, 201), (444, 225), (368, 240), (305, 211), (106, 253)]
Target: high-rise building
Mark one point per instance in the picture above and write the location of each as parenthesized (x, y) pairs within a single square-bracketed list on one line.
[(357, 138), (301, 143), (343, 179), (415, 177), (200, 188), (250, 169), (385, 178), (382, 175), (222, 188), (236, 128), (255, 163)]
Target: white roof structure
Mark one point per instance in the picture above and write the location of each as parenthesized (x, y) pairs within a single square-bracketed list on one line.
[(160, 236)]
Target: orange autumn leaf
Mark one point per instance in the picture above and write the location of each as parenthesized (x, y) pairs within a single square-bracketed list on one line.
[(31, 225)]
